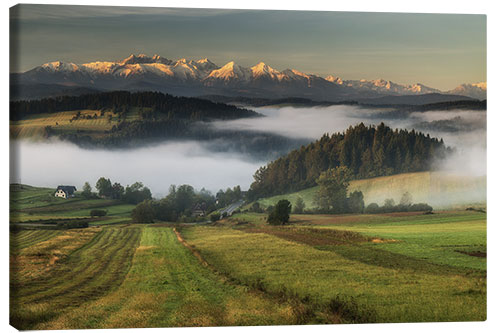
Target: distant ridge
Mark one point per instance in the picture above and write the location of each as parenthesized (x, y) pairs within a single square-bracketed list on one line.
[(415, 99), (203, 77)]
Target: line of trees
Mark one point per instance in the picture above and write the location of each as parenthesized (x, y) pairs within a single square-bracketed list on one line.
[(332, 198), (367, 151), (179, 205), (132, 194), (121, 101)]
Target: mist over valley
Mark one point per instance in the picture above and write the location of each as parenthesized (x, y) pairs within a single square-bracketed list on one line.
[(240, 148)]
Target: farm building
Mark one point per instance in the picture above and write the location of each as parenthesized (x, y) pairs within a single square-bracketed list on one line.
[(199, 209), (65, 191)]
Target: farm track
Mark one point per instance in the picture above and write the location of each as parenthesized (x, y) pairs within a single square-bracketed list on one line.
[(87, 274)]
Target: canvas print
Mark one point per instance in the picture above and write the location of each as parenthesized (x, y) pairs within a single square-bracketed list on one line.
[(176, 167)]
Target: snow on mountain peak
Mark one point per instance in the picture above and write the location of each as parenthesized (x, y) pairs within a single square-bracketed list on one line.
[(334, 79), (231, 71), (263, 70), (204, 71), (60, 66), (480, 85), (474, 90)]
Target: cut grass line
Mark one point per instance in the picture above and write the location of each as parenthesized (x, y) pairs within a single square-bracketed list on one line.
[(87, 274), (26, 238), (167, 287)]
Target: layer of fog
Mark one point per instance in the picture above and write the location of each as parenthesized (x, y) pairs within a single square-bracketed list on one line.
[(312, 122), (206, 164), (60, 163)]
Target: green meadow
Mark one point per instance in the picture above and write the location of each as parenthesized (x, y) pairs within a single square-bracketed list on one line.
[(368, 268)]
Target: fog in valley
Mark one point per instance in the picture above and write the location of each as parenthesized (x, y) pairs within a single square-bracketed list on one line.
[(203, 164), (461, 129), (56, 163)]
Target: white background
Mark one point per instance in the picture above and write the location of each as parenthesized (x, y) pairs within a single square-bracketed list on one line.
[(421, 6)]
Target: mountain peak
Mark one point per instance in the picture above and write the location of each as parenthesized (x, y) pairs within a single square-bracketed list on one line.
[(334, 79), (261, 69), (230, 64), (59, 66), (231, 71), (142, 69)]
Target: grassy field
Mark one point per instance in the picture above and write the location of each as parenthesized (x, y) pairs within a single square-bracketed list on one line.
[(33, 127), (28, 204), (26, 238), (396, 267), (93, 269), (428, 269), (181, 293), (442, 191)]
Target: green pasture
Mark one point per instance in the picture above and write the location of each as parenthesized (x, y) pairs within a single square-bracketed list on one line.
[(28, 204), (395, 292)]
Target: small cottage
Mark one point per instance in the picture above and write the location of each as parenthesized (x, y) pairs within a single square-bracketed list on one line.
[(199, 209), (65, 191)]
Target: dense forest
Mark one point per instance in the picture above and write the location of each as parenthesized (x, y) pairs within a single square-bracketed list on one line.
[(162, 104), (366, 151)]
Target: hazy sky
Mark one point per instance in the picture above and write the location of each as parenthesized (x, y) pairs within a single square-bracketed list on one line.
[(441, 51)]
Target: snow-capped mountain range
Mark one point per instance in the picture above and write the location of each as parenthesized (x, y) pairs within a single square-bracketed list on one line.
[(203, 77)]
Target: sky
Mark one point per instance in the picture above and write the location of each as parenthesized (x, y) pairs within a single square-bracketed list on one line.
[(438, 50)]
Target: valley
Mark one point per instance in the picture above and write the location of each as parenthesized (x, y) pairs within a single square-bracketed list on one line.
[(226, 167)]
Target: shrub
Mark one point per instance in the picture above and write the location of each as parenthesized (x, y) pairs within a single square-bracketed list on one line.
[(372, 208), (143, 212), (420, 207), (72, 224), (98, 212), (215, 217), (281, 213)]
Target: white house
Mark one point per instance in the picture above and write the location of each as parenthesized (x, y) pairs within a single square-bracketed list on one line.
[(65, 191)]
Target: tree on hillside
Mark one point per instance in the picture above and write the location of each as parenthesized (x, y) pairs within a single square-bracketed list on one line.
[(389, 205), (299, 206), (332, 193), (136, 193), (117, 191), (104, 187), (281, 213), (406, 200), (143, 212), (356, 203), (87, 191), (256, 208)]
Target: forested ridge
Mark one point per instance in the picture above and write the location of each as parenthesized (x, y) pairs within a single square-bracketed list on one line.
[(368, 151), (168, 105)]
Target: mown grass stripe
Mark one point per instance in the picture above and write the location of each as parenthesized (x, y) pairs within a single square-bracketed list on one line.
[(79, 262), (23, 239), (101, 265)]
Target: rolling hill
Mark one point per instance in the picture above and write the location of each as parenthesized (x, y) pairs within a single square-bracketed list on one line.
[(440, 190)]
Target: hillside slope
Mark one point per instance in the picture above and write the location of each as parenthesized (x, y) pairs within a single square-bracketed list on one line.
[(440, 190)]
